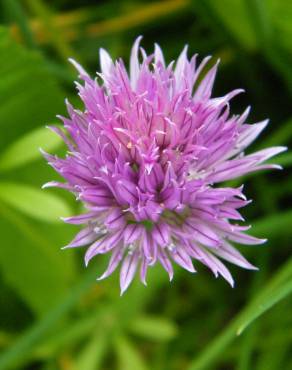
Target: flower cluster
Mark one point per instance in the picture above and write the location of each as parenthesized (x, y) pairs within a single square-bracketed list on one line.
[(145, 156)]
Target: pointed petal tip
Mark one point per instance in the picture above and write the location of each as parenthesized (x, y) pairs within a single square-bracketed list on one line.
[(50, 184), (263, 240), (252, 267), (101, 277), (78, 67), (122, 291), (282, 148), (138, 39)]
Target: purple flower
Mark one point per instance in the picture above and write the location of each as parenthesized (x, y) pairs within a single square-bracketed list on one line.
[(145, 157)]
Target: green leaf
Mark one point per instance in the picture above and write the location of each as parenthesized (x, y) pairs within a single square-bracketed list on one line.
[(128, 355), (280, 13), (118, 308), (70, 333), (30, 95), (21, 348), (26, 149), (274, 225), (263, 20), (261, 306), (34, 202), (31, 263), (279, 287), (90, 358), (154, 328), (234, 16)]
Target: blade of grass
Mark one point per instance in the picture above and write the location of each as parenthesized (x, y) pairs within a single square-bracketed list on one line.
[(16, 353), (92, 355), (249, 340), (69, 334), (128, 355), (271, 294), (121, 310), (273, 225), (263, 30), (274, 296)]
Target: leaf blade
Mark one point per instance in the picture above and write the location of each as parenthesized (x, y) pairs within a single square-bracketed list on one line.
[(34, 202), (26, 149)]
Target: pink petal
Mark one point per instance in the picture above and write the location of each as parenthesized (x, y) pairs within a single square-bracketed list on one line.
[(128, 270), (85, 236)]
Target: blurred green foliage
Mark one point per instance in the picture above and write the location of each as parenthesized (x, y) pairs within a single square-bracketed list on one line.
[(53, 313)]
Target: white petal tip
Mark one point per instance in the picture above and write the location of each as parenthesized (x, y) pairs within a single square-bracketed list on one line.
[(86, 263)]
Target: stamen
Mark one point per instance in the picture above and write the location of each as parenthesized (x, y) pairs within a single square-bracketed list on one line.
[(131, 248), (171, 247), (100, 230)]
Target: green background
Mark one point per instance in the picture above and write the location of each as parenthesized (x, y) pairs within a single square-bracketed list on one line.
[(53, 314)]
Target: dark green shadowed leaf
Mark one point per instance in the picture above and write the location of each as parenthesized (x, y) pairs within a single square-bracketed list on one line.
[(30, 95), (234, 16), (22, 346), (34, 202), (26, 149), (278, 288), (31, 263)]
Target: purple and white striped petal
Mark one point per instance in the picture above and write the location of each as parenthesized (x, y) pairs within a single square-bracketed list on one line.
[(128, 270), (84, 237)]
